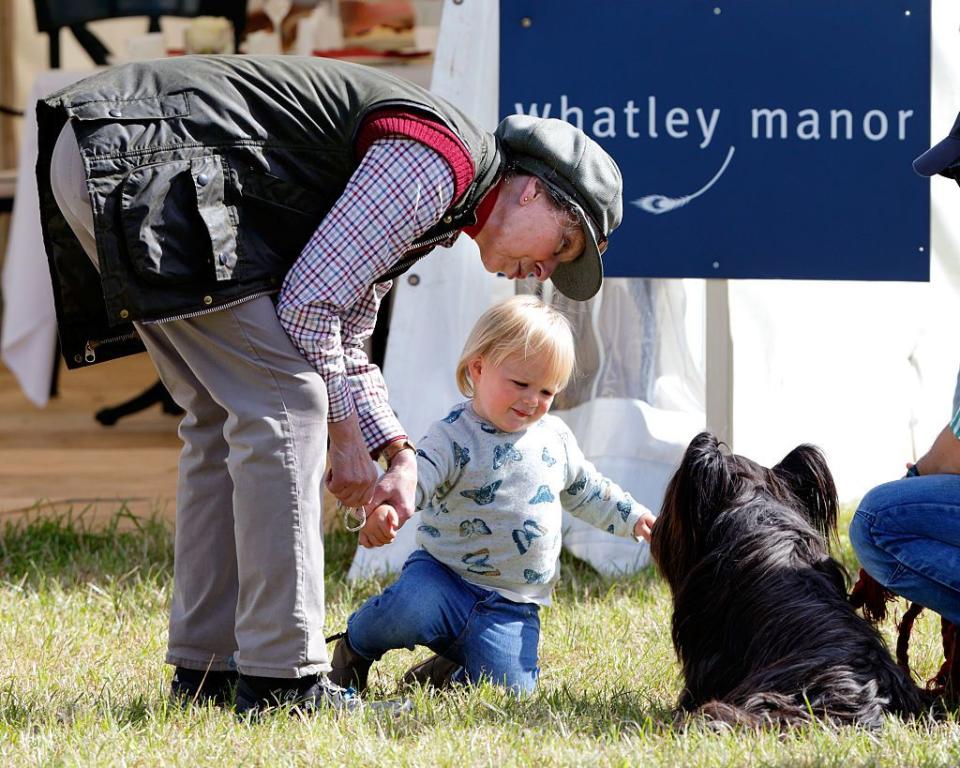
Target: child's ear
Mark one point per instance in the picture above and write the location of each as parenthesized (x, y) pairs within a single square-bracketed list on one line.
[(475, 368)]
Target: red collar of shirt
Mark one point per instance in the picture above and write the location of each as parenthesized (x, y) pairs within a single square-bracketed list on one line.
[(484, 210)]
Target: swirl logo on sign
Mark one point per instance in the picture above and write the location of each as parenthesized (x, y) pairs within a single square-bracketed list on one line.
[(662, 204)]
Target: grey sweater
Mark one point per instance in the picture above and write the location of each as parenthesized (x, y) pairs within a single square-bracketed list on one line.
[(491, 502)]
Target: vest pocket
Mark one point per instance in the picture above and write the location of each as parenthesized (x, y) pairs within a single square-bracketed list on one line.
[(278, 218), (177, 227), (161, 107)]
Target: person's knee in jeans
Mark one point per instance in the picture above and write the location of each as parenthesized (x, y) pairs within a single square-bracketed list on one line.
[(501, 645), (385, 621), (406, 614), (874, 559)]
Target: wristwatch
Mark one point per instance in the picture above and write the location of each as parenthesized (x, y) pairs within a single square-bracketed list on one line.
[(392, 449)]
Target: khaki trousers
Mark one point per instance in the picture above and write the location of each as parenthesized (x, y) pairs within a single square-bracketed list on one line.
[(248, 560)]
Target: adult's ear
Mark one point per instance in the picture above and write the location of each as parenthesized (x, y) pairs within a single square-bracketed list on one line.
[(805, 472), (528, 189)]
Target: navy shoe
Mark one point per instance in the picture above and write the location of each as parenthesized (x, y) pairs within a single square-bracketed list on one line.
[(200, 686), (256, 695)]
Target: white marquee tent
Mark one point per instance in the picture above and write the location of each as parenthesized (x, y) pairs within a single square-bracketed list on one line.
[(864, 370)]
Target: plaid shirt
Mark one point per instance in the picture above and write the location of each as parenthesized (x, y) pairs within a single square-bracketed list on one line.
[(329, 299)]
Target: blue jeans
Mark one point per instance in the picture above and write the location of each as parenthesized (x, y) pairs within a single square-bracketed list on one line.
[(907, 536), (492, 638)]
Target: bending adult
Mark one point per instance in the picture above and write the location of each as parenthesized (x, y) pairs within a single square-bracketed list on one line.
[(242, 217), (906, 533)]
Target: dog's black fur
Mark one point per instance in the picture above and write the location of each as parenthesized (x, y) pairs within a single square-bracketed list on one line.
[(761, 622)]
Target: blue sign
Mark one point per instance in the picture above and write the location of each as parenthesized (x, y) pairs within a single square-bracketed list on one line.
[(757, 139)]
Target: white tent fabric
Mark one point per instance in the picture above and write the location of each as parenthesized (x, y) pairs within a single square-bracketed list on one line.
[(864, 370)]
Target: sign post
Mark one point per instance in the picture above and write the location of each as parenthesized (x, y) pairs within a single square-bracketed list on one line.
[(718, 400)]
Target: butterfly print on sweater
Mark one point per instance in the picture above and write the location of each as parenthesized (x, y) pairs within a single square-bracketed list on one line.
[(476, 562), (453, 415), (504, 453), (577, 486), (543, 495), (461, 456), (534, 577), (475, 527), (483, 496), (523, 537)]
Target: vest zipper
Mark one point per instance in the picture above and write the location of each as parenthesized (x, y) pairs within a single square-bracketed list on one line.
[(411, 257), (431, 241), (90, 347), (199, 312)]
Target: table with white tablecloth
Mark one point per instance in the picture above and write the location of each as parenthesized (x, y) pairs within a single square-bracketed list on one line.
[(28, 330)]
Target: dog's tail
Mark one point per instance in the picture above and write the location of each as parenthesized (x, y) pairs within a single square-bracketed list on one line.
[(805, 472), (838, 698), (718, 714), (763, 710)]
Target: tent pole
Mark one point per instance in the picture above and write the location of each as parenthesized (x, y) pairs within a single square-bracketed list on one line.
[(719, 362)]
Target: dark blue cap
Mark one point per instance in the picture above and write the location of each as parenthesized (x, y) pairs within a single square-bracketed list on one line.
[(941, 156)]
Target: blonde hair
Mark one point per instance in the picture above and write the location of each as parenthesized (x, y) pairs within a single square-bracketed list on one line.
[(522, 326)]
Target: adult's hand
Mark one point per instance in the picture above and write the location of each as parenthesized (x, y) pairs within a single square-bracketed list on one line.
[(398, 486), (352, 475), (943, 458)]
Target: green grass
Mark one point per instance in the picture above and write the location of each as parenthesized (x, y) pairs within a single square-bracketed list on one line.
[(82, 682)]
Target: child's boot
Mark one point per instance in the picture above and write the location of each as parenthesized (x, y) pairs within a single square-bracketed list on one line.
[(436, 671), (348, 668)]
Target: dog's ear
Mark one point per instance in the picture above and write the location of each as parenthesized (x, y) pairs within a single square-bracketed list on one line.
[(694, 495), (704, 478), (805, 472)]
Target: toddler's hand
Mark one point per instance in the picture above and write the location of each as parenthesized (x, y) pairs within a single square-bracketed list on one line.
[(380, 528), (644, 526)]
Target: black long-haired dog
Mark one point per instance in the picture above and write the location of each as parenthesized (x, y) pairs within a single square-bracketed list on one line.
[(761, 622)]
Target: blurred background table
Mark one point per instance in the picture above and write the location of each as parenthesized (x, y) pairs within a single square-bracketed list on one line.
[(28, 330)]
